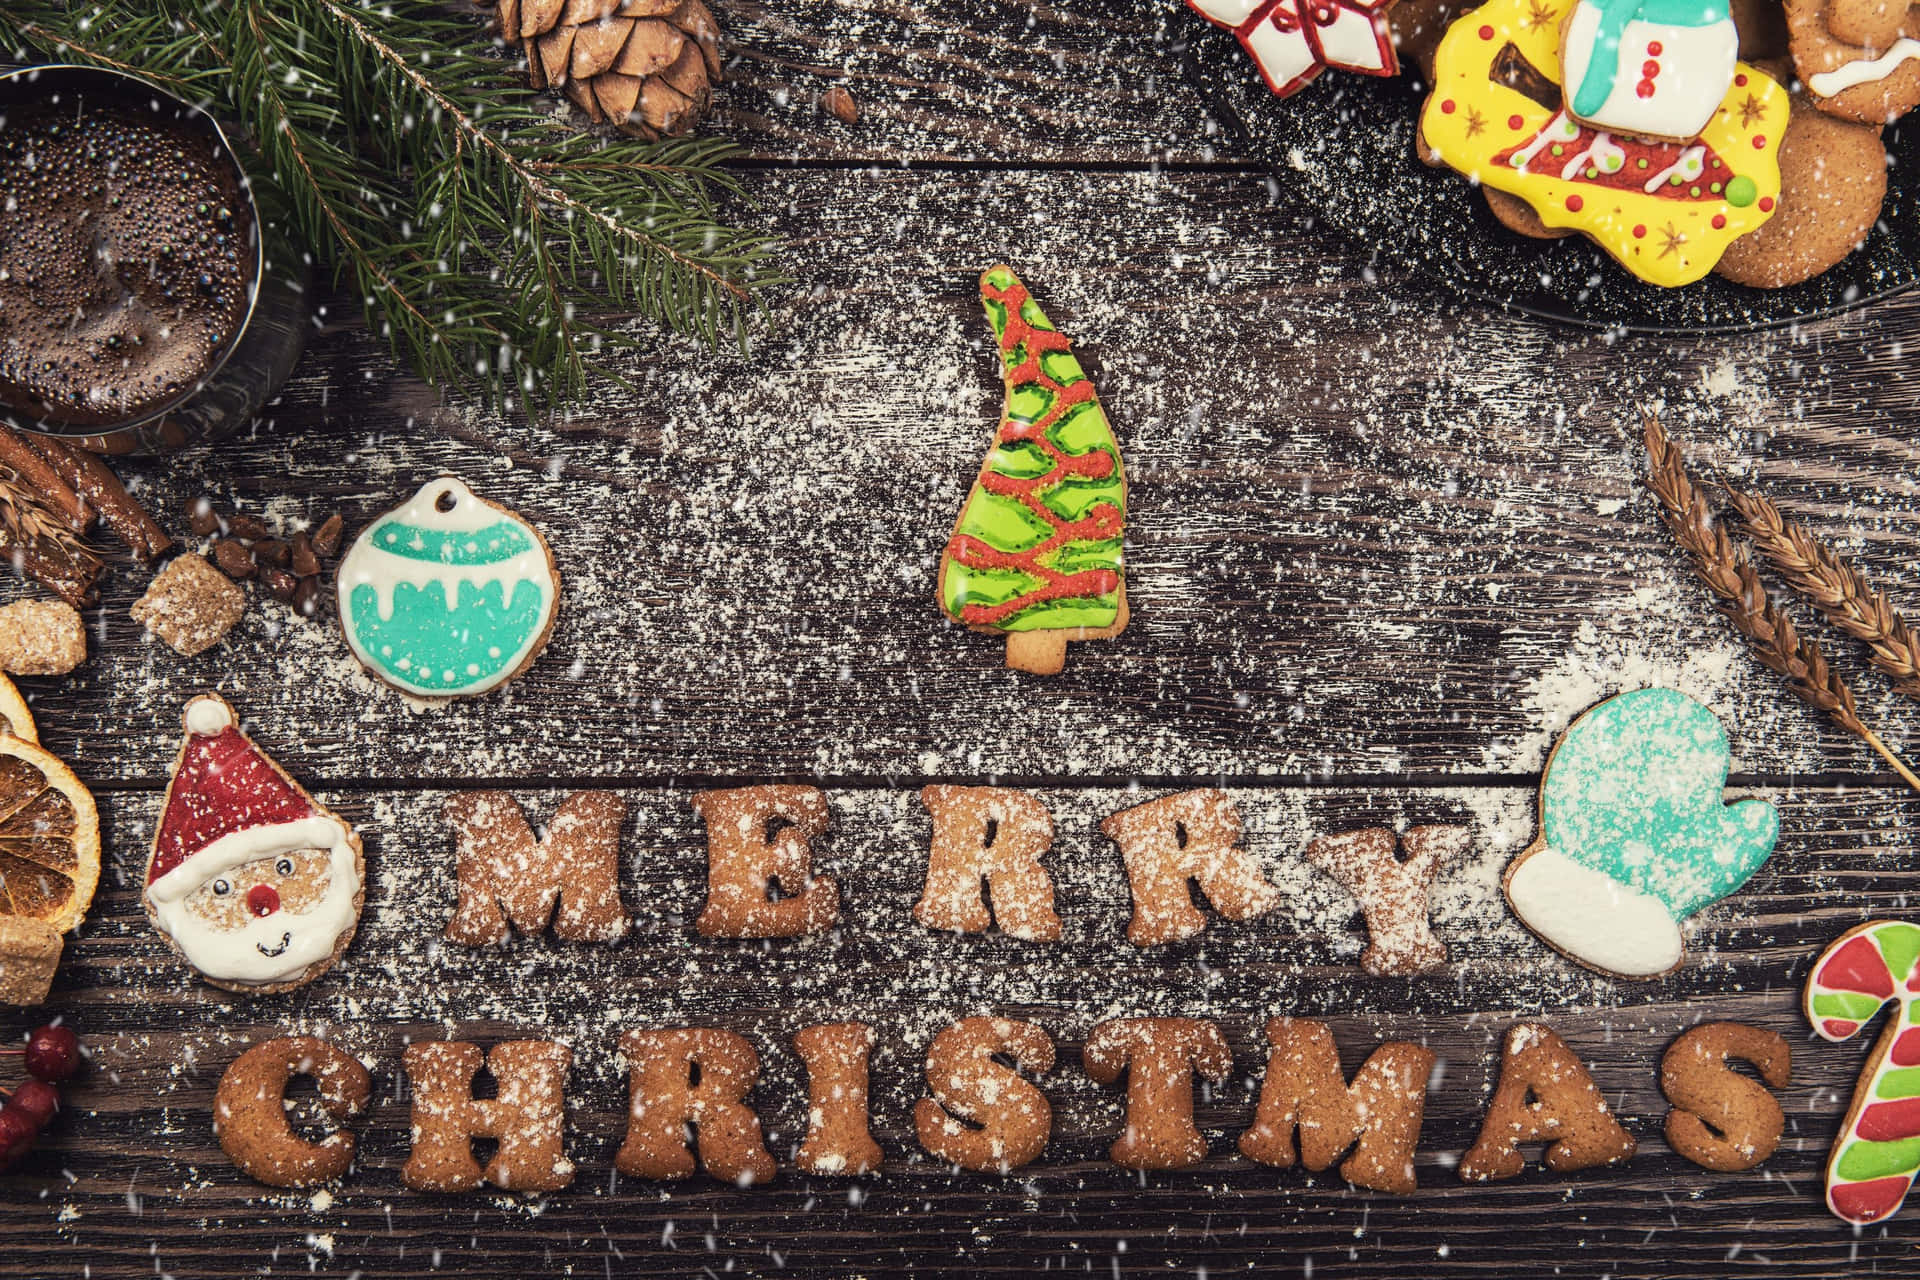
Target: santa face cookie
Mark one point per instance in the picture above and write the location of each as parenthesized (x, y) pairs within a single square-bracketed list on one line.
[(255, 883), (1636, 834), (449, 595)]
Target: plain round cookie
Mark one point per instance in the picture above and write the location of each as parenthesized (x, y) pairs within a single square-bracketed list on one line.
[(1519, 217), (1833, 182), (1816, 50)]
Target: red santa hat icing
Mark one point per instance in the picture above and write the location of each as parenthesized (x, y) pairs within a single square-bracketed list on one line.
[(228, 805)]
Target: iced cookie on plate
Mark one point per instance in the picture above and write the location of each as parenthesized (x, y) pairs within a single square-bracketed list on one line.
[(449, 595), (1636, 834)]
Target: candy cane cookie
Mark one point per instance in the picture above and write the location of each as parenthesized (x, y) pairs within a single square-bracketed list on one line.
[(1877, 1152)]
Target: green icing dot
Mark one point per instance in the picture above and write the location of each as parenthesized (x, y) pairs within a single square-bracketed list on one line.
[(1742, 191)]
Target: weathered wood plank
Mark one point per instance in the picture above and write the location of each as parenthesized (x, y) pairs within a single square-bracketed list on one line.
[(133, 1160), (1373, 533)]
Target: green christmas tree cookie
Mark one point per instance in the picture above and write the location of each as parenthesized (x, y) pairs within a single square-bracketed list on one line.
[(1636, 834), (1036, 554)]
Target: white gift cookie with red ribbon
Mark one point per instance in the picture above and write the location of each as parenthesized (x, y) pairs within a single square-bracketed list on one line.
[(254, 882), (1293, 41)]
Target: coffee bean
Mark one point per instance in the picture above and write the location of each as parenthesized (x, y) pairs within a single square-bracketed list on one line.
[(270, 551), (279, 583), (233, 559), (327, 540), (306, 597), (838, 101), (202, 518), (305, 563), (248, 528)]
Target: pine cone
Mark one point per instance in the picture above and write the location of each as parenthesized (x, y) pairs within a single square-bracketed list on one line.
[(644, 65)]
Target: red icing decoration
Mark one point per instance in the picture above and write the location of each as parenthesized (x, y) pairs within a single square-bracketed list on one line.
[(1867, 1201), (1575, 203), (1644, 88), (263, 900), (1655, 49), (1766, 204), (223, 785), (1759, 141), (1741, 80), (1639, 231), (1447, 107), (1102, 522), (1630, 176), (1906, 1050), (1890, 1121), (1486, 33), (1515, 122), (1719, 221), (1650, 68), (1857, 966), (1839, 1028)]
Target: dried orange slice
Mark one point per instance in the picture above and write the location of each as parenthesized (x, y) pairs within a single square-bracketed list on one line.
[(49, 838), (14, 716)]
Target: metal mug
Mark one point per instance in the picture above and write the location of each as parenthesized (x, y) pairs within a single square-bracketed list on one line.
[(261, 353)]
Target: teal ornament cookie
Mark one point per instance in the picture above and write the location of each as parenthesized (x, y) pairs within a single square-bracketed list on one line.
[(1636, 834), (449, 595)]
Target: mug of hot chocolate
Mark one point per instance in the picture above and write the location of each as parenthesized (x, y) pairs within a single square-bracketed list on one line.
[(140, 308)]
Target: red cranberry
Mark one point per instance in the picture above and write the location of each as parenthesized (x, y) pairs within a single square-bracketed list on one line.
[(36, 1101), (17, 1133), (53, 1053)]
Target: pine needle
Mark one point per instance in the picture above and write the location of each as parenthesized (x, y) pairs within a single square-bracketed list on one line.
[(492, 246), (1730, 574), (1831, 583)]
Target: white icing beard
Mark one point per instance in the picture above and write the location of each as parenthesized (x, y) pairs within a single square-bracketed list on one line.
[(266, 949)]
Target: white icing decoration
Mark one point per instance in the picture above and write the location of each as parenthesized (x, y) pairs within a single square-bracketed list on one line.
[(1691, 164), (1589, 915), (1559, 129), (1231, 12), (1603, 153), (1864, 70), (1696, 70), (208, 715), (235, 955), (1350, 40)]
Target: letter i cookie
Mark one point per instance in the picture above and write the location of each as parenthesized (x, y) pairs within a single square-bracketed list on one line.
[(1877, 1151), (1036, 554)]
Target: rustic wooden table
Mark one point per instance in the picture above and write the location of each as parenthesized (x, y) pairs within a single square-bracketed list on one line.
[(1383, 544)]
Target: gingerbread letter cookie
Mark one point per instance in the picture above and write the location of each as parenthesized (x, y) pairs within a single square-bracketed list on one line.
[(1544, 1095), (1177, 838), (1392, 893), (838, 1140), (1036, 553), (1877, 1151), (1666, 209), (1720, 1119), (506, 874), (526, 1116), (1636, 834), (1160, 1056), (448, 595), (985, 1117), (250, 1111), (757, 835), (257, 884), (692, 1076), (1305, 1093), (963, 854)]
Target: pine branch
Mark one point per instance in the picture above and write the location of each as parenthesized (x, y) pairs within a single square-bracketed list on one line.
[(1729, 573), (1833, 586), (491, 246)]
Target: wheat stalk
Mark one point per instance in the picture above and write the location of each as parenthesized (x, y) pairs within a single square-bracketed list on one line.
[(1730, 574), (1833, 586)]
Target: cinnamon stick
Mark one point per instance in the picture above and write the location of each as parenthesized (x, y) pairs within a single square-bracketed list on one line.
[(69, 576), (17, 456), (95, 484)]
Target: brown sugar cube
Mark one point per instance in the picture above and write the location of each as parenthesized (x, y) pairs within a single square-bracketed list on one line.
[(248, 528), (29, 953), (234, 560), (303, 562), (41, 638), (326, 539), (250, 1111), (191, 605)]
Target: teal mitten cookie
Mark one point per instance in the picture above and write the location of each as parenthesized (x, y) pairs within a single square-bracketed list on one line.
[(1635, 834)]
